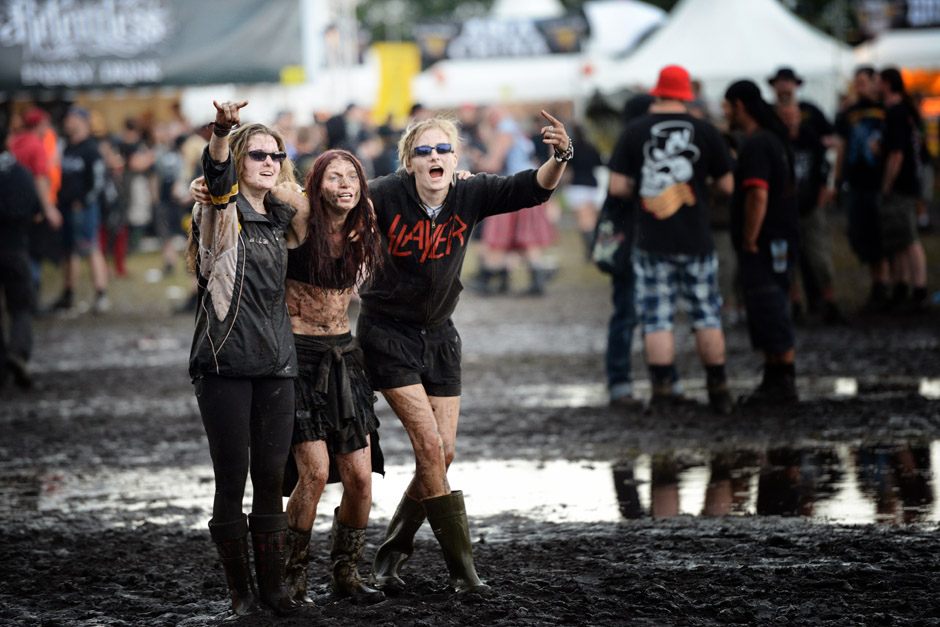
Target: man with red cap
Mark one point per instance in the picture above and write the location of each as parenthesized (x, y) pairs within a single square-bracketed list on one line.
[(672, 162), (27, 146)]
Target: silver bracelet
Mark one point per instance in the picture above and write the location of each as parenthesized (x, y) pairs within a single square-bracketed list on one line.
[(563, 156)]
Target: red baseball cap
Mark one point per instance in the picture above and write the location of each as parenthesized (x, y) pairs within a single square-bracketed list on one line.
[(673, 84), (34, 117)]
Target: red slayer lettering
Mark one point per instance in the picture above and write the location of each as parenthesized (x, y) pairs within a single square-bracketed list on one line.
[(422, 241)]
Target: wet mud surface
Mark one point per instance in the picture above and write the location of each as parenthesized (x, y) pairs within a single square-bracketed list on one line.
[(105, 483)]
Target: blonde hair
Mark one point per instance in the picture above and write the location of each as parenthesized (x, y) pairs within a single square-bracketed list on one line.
[(409, 139)]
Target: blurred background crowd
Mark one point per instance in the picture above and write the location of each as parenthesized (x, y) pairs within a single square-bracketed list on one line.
[(352, 74)]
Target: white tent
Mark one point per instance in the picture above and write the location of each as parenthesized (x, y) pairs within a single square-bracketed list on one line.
[(454, 82), (913, 49), (720, 41)]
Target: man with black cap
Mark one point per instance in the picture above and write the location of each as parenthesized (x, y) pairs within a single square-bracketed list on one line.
[(765, 234), (785, 83), (665, 159)]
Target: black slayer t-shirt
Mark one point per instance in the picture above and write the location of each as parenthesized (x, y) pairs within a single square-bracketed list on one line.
[(671, 156), (901, 134), (763, 162)]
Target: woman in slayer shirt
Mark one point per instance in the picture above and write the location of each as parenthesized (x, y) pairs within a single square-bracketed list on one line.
[(412, 350)]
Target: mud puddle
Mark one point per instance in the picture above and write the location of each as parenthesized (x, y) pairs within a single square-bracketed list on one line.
[(842, 483)]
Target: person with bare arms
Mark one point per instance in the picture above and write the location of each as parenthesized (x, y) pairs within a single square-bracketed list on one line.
[(335, 427)]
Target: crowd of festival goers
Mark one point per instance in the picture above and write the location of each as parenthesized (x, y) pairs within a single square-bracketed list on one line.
[(722, 215)]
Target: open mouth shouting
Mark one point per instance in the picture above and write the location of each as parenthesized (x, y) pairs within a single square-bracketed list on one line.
[(436, 173)]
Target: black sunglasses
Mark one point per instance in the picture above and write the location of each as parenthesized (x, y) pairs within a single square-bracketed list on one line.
[(260, 155), (425, 151)]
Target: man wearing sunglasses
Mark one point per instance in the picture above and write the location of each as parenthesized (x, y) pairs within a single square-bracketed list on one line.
[(412, 350)]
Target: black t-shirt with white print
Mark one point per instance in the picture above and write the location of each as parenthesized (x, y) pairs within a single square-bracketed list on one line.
[(670, 157)]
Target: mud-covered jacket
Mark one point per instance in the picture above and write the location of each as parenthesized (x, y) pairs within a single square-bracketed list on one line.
[(420, 284), (242, 326)]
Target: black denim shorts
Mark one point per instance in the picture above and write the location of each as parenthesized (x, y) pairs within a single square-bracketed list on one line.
[(767, 300), (398, 354)]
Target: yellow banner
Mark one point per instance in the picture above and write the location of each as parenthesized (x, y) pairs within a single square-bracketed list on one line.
[(399, 63)]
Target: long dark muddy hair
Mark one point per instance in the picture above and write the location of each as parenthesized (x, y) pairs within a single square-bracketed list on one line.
[(361, 257)]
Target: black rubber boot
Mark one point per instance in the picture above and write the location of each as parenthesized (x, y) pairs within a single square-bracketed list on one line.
[(538, 281), (270, 542), (346, 547), (231, 540), (777, 387), (719, 395), (481, 282), (398, 546), (502, 280), (719, 399), (448, 518), (295, 572)]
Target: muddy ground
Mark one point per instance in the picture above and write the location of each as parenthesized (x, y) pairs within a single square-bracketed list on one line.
[(104, 488)]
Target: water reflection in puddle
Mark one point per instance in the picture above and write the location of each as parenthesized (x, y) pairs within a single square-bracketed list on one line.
[(864, 484), (843, 484), (812, 387)]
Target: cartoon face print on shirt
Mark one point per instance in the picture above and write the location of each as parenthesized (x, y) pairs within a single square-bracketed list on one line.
[(668, 159)]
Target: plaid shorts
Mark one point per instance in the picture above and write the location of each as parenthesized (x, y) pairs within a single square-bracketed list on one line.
[(661, 280)]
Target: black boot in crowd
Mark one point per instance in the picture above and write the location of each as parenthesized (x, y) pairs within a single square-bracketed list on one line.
[(777, 387), (270, 541), (719, 396), (231, 540), (490, 282), (538, 280), (346, 546), (398, 546)]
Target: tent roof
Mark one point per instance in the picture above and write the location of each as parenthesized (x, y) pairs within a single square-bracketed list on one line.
[(546, 78), (728, 39), (618, 25), (906, 48)]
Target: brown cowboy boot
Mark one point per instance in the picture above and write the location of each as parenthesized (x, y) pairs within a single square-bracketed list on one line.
[(398, 546), (346, 548), (231, 540)]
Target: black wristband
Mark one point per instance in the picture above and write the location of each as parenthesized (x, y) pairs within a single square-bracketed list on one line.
[(220, 131)]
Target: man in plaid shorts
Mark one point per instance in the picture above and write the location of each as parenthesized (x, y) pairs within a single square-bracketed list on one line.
[(666, 159)]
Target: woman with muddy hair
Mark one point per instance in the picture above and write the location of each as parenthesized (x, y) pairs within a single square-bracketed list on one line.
[(242, 360), (335, 428), (425, 215)]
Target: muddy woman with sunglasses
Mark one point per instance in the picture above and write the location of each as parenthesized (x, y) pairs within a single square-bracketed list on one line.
[(242, 360), (425, 215)]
